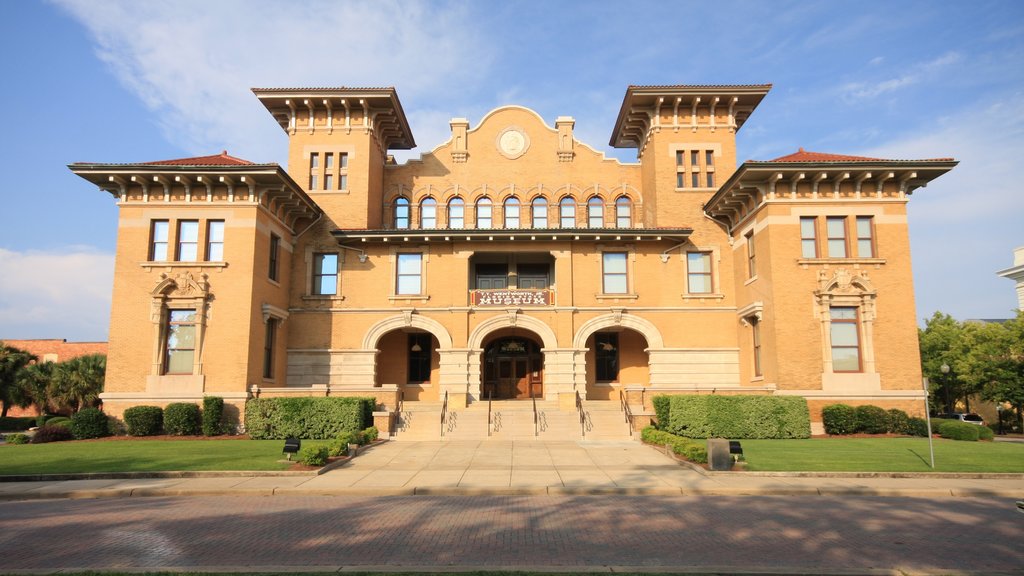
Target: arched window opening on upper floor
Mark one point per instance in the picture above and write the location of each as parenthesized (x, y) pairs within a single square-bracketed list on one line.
[(539, 212), (511, 212), (456, 213), (402, 213), (428, 213), (623, 212), (595, 213), (567, 212), (484, 211)]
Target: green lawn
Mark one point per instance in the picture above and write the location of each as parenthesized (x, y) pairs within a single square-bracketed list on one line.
[(882, 455), (141, 456)]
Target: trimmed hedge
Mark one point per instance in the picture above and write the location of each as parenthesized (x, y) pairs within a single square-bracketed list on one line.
[(986, 433), (742, 416), (839, 419), (959, 431), (16, 423), (917, 427), (181, 419), (313, 455), (662, 407), (213, 413), (144, 420), (18, 438), (685, 447), (872, 419), (59, 421), (47, 433), (89, 423), (306, 417), (371, 434), (899, 421)]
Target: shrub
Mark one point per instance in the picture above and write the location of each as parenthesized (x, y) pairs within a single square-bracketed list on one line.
[(16, 424), (306, 417), (684, 447), (213, 413), (839, 419), (741, 416), (872, 419), (313, 455), (144, 420), (985, 433), (959, 431), (89, 423), (917, 427), (662, 406), (49, 433), (371, 434), (339, 446), (181, 419), (899, 422), (59, 421), (18, 438)]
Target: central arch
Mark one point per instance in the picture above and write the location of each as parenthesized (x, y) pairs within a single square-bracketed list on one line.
[(547, 335)]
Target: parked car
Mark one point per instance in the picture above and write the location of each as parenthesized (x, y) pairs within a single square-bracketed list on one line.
[(969, 417)]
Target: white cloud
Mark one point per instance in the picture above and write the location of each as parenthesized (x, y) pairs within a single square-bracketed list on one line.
[(193, 62), (854, 91), (56, 294)]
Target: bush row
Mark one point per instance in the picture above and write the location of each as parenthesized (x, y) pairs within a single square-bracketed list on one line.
[(740, 416), (16, 423), (841, 419), (684, 447), (317, 455), (306, 417), (957, 430), (177, 419)]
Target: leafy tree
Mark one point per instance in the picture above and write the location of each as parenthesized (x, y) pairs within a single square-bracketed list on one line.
[(942, 341), (12, 360), (32, 386), (994, 361), (78, 382)]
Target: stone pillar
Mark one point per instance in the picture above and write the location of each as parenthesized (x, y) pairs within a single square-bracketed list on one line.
[(458, 366), (564, 374)]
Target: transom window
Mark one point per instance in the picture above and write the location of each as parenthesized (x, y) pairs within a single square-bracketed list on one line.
[(567, 213), (539, 212), (428, 213), (845, 339), (483, 213), (402, 213), (325, 274), (456, 213), (595, 213), (512, 213), (409, 277), (180, 343), (614, 278)]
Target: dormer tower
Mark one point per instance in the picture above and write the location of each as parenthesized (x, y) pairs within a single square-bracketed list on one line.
[(339, 140)]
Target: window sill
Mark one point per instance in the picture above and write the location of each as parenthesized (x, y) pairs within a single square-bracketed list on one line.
[(409, 298), (148, 266), (274, 282), (346, 191), (805, 262), (616, 297), (606, 384), (757, 379), (688, 296), (322, 298), (750, 280)]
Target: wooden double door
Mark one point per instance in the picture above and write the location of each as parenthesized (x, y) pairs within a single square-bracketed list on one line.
[(513, 370)]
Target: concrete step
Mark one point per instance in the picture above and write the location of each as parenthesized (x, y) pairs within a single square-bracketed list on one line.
[(513, 405), (606, 425), (418, 425)]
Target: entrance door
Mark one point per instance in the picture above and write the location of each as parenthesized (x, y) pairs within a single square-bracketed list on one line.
[(513, 370)]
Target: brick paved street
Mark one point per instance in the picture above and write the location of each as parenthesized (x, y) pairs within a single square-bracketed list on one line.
[(734, 532)]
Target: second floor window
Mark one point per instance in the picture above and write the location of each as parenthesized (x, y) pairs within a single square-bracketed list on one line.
[(865, 237), (158, 242), (483, 213), (808, 237), (539, 212), (835, 227), (456, 213), (188, 240), (275, 249), (751, 255), (215, 241), (567, 213), (409, 277), (698, 272), (402, 213), (428, 213), (595, 213), (623, 212), (512, 213), (325, 274), (614, 280)]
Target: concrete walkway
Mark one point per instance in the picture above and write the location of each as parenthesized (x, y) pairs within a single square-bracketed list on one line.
[(523, 468)]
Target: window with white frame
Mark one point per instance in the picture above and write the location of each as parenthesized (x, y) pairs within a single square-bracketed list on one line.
[(835, 228), (456, 213), (409, 274), (595, 213), (428, 213), (511, 212), (188, 240), (614, 277), (809, 237), (158, 240), (865, 237), (567, 212), (401, 213), (215, 241), (179, 341), (623, 212), (484, 210), (325, 274), (845, 335), (698, 273), (539, 212)]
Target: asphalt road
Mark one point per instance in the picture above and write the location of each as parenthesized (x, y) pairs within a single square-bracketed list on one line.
[(784, 534)]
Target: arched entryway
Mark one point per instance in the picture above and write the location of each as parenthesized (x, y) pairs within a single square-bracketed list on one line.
[(512, 366), (615, 357), (409, 358)]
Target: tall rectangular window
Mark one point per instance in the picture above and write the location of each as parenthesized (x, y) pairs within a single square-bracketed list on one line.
[(709, 158), (680, 169), (328, 181), (314, 170), (329, 160), (325, 274), (539, 213), (409, 278), (419, 347), (606, 357), (343, 160), (158, 241), (343, 182), (695, 179), (188, 240), (710, 179), (835, 227), (275, 249), (614, 279), (694, 159), (680, 179), (268, 348), (180, 343), (215, 241), (343, 171), (751, 255), (865, 237), (845, 339), (755, 329), (808, 237), (698, 272)]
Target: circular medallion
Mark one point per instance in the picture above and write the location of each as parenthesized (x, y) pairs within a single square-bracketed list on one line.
[(513, 142)]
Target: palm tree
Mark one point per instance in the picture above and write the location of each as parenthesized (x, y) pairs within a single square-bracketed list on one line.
[(78, 382), (12, 360), (32, 385)]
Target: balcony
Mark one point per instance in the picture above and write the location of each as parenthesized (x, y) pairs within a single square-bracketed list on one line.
[(512, 297)]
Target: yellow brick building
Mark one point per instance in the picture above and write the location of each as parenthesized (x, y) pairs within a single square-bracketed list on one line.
[(514, 262)]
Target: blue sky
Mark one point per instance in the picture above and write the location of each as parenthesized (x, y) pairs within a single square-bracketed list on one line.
[(128, 81)]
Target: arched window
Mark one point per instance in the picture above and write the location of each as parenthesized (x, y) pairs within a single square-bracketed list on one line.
[(456, 213), (567, 212), (539, 212), (402, 213), (512, 212), (595, 213), (428, 213), (623, 212), (483, 213)]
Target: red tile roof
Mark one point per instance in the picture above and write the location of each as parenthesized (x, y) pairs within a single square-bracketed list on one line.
[(802, 155), (222, 159)]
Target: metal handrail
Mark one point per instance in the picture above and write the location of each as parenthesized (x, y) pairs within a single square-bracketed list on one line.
[(444, 412), (624, 404), (490, 422), (536, 428), (398, 412), (583, 419)]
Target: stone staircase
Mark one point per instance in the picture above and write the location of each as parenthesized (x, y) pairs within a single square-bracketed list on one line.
[(512, 420)]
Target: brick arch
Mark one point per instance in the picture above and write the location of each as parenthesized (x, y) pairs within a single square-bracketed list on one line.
[(645, 327), (378, 330), (547, 335)]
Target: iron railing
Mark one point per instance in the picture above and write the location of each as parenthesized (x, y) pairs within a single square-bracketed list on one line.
[(624, 404), (398, 412), (444, 412), (583, 418)]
